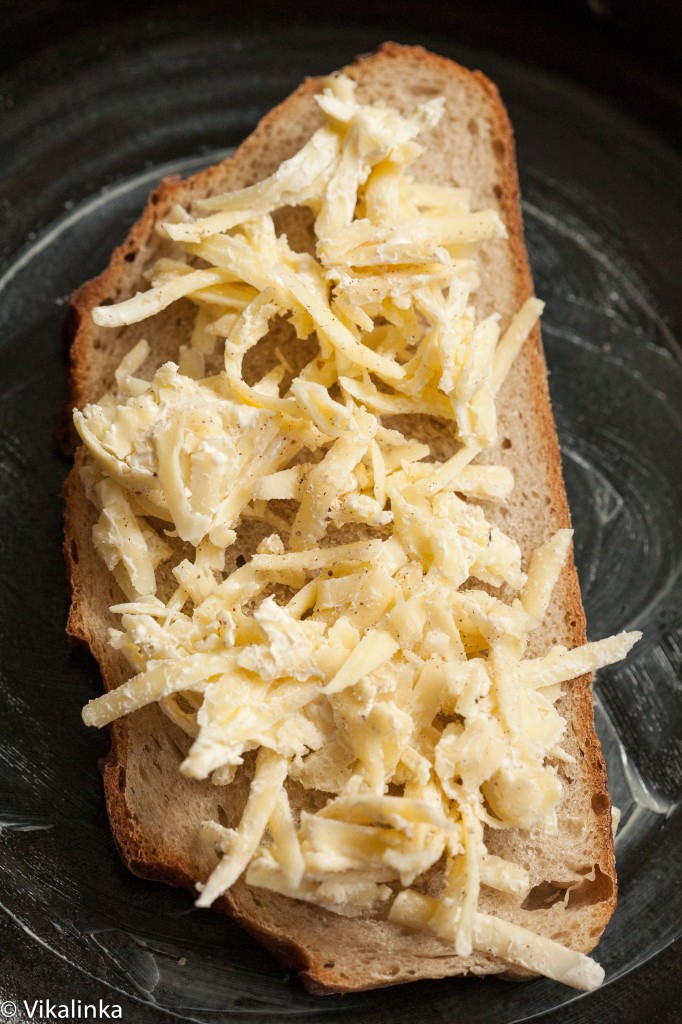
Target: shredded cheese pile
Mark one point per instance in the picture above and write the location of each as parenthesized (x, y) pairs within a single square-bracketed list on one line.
[(364, 669)]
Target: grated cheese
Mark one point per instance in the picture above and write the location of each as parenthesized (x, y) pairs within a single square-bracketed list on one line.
[(392, 675)]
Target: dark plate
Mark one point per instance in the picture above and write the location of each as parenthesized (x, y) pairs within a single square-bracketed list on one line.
[(88, 129)]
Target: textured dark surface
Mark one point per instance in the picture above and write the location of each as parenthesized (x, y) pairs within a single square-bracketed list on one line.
[(88, 127), (651, 995)]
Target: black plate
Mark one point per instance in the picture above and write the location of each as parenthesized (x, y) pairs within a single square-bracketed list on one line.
[(84, 137)]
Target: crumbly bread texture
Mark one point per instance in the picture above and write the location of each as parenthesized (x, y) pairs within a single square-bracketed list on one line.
[(154, 811)]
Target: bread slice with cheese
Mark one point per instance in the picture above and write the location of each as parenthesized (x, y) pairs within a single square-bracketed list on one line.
[(155, 811)]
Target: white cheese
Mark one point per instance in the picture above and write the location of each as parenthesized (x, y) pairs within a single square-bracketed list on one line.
[(354, 650), (240, 845)]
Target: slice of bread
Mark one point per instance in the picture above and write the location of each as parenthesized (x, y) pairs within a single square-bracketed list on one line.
[(154, 811)]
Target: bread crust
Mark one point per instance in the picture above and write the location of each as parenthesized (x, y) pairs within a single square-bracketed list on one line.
[(147, 857)]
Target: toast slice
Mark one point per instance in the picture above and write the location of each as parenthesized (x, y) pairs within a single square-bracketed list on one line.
[(155, 812)]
